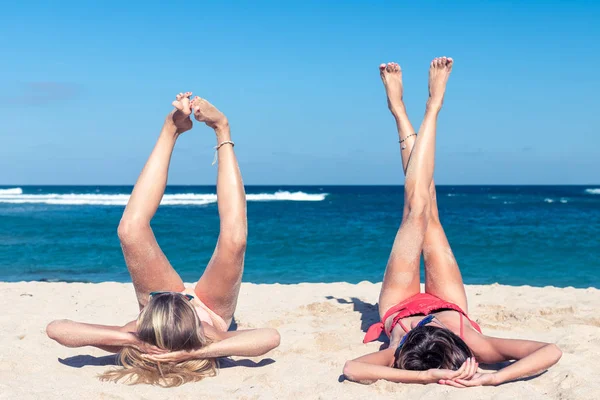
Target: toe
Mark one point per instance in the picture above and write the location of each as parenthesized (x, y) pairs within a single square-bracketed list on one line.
[(388, 67), (186, 104)]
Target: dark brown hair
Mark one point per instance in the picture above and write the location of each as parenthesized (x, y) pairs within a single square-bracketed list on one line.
[(428, 347)]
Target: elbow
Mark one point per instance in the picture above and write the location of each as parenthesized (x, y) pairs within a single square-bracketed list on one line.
[(352, 372), (349, 371), (55, 329), (273, 340), (556, 353), (52, 330)]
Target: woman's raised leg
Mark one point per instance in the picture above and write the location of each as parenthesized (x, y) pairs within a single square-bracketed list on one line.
[(220, 283), (401, 278), (149, 268), (442, 275)]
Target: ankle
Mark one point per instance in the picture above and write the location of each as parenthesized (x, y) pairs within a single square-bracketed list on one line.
[(433, 106), (398, 111), (222, 131), (169, 132)]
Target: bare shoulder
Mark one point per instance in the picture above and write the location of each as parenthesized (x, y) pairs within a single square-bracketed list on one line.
[(480, 345), (131, 326), (212, 333), (490, 349)]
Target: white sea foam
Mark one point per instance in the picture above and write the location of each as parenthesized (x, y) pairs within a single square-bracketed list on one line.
[(15, 196), (563, 200), (592, 191), (549, 200), (289, 196), (13, 191)]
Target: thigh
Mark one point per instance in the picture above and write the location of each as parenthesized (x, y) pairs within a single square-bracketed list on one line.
[(219, 285), (442, 274), (401, 279), (148, 266)]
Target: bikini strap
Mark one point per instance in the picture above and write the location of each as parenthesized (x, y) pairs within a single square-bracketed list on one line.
[(402, 325), (461, 325)]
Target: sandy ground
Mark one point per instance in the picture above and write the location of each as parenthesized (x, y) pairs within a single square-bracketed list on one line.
[(321, 326)]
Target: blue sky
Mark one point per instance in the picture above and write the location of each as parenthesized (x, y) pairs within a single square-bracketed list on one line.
[(86, 85)]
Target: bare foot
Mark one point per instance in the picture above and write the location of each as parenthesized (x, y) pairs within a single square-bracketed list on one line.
[(209, 114), (391, 75), (180, 116), (439, 71)]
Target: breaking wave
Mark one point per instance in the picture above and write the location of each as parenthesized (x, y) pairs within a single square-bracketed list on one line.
[(16, 196)]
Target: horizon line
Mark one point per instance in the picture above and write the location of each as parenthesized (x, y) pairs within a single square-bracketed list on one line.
[(305, 185)]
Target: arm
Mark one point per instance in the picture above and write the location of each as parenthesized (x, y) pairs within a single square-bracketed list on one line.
[(370, 373), (248, 343), (532, 357), (77, 334), (374, 366)]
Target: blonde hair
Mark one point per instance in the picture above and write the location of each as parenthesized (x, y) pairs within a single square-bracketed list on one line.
[(169, 322)]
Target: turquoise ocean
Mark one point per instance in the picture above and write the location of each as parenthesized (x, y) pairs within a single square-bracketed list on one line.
[(515, 235)]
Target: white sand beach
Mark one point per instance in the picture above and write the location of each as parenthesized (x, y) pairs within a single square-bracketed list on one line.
[(321, 326)]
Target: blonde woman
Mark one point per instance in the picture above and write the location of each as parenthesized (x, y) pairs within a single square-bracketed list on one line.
[(180, 331)]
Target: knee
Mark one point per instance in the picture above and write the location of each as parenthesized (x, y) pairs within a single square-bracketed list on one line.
[(129, 229), (235, 240), (234, 244), (418, 208), (434, 219)]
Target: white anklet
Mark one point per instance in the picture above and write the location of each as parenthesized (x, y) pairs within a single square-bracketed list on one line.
[(217, 147)]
